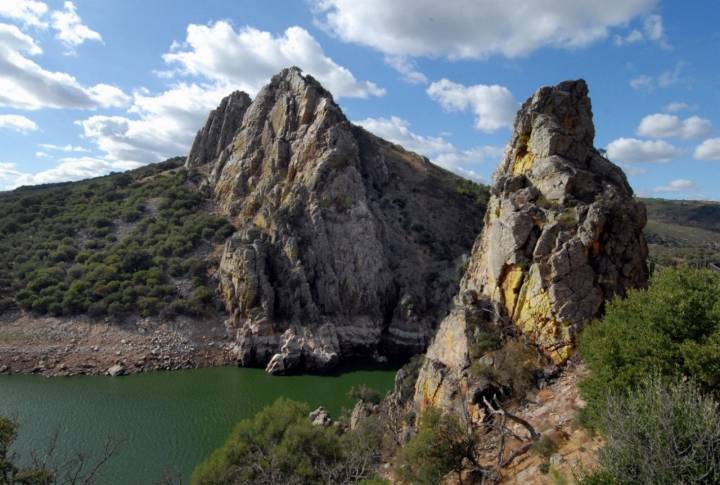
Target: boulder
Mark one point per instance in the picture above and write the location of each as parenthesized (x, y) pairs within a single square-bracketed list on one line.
[(116, 370), (320, 417), (562, 235)]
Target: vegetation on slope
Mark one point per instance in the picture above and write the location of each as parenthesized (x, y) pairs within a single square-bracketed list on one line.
[(655, 374), (115, 245)]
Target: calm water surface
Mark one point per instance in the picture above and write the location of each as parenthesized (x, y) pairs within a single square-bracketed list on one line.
[(168, 420)]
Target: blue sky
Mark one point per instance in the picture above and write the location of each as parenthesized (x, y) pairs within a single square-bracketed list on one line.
[(91, 86)]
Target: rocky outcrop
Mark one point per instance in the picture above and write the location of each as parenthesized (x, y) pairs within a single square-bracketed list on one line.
[(219, 130), (562, 235), (347, 244)]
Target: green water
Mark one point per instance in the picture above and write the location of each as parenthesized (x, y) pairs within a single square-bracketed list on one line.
[(168, 420)]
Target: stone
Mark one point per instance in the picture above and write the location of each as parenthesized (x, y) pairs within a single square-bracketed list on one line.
[(346, 245), (320, 417), (361, 411), (556, 459), (562, 235), (116, 370), (4, 369)]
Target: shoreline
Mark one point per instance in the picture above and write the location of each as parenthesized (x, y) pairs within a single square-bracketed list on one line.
[(54, 347)]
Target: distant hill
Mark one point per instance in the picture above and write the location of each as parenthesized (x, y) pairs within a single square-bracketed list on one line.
[(680, 231)]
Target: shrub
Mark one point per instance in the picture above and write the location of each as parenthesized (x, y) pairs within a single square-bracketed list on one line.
[(280, 445), (513, 368), (671, 329), (660, 434), (365, 394), (545, 447), (439, 447)]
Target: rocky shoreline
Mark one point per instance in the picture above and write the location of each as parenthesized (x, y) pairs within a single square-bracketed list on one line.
[(53, 347)]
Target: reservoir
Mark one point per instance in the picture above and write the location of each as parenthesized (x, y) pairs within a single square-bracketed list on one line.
[(167, 421)]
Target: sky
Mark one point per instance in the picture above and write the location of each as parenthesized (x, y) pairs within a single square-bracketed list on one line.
[(93, 86)]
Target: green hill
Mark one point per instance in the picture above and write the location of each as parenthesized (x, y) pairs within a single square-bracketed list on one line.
[(131, 243)]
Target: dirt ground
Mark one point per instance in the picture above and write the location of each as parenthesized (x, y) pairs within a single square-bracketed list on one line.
[(63, 347)]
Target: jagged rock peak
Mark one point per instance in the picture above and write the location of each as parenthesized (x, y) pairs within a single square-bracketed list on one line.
[(220, 128), (347, 245), (562, 235)]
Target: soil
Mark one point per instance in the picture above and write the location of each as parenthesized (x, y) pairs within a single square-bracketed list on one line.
[(82, 346)]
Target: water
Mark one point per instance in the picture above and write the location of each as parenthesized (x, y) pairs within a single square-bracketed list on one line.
[(168, 420)]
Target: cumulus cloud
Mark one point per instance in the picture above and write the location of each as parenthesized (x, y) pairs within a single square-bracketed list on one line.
[(407, 68), (26, 85), (69, 27), (678, 185), (652, 30), (28, 12), (663, 125), (463, 162), (18, 123), (708, 150), (248, 57), (69, 169), (494, 106), (474, 28), (163, 125), (631, 150)]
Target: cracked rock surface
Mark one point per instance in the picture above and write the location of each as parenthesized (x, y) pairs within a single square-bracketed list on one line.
[(347, 245), (562, 235)]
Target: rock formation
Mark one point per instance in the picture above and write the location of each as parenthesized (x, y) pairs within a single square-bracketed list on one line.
[(346, 244), (562, 235), (219, 130)]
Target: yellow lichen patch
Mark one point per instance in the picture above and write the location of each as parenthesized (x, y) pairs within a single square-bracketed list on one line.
[(523, 164), (260, 220), (510, 283)]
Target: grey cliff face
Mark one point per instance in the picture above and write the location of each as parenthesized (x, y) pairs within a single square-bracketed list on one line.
[(347, 244), (219, 130), (562, 235)]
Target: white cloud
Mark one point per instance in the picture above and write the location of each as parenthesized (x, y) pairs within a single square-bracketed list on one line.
[(69, 27), (708, 150), (163, 125), (653, 30), (679, 185), (63, 148), (407, 68), (26, 85), (474, 28), (631, 150), (663, 80), (69, 169), (247, 58), (18, 123), (676, 106), (663, 125), (28, 12), (494, 106), (439, 150)]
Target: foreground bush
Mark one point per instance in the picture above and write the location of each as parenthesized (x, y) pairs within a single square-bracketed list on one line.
[(280, 445), (659, 434), (671, 329), (440, 446)]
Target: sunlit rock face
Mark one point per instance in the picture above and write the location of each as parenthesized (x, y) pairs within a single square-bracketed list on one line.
[(347, 245), (562, 235)]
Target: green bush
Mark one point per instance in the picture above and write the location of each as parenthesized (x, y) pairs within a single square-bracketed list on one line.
[(671, 329), (365, 394), (439, 447), (280, 445), (659, 434)]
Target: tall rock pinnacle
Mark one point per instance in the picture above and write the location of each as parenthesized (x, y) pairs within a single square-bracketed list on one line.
[(562, 235), (346, 244)]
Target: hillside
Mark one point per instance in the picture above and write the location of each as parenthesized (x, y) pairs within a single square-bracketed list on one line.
[(680, 231)]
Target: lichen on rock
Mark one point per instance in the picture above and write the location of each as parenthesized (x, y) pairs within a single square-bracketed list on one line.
[(562, 235), (347, 245)]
